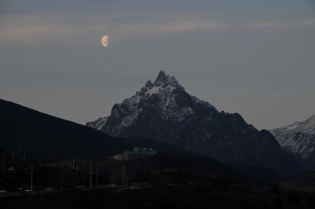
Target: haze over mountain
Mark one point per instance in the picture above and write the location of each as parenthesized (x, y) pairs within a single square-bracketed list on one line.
[(298, 140), (164, 111)]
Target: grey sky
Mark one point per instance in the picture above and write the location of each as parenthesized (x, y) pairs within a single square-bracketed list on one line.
[(251, 57)]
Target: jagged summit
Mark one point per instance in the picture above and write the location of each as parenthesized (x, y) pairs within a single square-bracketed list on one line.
[(166, 96), (163, 80)]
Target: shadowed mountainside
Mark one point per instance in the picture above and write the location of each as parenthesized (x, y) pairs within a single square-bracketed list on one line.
[(47, 137)]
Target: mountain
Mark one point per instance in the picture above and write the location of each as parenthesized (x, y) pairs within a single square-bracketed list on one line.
[(48, 138), (298, 140), (164, 111)]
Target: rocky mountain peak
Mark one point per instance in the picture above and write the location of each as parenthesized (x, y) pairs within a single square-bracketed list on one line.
[(163, 80), (149, 84), (165, 96)]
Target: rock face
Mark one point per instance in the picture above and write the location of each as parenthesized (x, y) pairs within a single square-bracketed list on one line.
[(298, 140), (164, 111)]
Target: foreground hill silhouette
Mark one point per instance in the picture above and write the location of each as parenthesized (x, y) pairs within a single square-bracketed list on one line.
[(49, 138)]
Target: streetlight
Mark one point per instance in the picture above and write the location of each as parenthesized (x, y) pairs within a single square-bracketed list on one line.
[(61, 180)]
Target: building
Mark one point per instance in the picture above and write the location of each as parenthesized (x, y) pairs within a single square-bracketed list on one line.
[(121, 157), (136, 153)]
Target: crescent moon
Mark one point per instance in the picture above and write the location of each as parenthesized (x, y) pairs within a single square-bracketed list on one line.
[(105, 41)]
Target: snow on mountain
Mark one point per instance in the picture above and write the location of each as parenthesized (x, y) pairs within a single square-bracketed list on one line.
[(298, 138), (98, 124), (163, 92)]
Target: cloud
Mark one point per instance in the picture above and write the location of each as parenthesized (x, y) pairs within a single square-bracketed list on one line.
[(192, 26), (184, 24), (37, 28), (279, 25)]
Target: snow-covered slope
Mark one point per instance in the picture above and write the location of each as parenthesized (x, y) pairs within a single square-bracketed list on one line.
[(297, 139)]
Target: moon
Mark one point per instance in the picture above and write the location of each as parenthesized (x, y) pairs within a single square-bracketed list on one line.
[(105, 41)]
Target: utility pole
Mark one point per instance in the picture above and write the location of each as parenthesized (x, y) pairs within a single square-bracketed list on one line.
[(13, 155), (61, 180), (73, 163), (24, 155), (96, 177), (123, 175), (90, 176), (110, 177), (31, 190), (3, 166), (20, 151), (31, 177)]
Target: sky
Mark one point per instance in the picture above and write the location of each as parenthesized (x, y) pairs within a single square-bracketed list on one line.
[(255, 58)]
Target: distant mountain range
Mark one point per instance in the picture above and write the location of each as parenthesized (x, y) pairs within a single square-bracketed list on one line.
[(165, 112), (298, 140)]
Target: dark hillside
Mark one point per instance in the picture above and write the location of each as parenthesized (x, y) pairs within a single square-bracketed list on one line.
[(47, 137), (261, 173), (197, 165)]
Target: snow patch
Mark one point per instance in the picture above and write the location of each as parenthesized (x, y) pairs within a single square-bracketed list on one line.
[(207, 104)]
